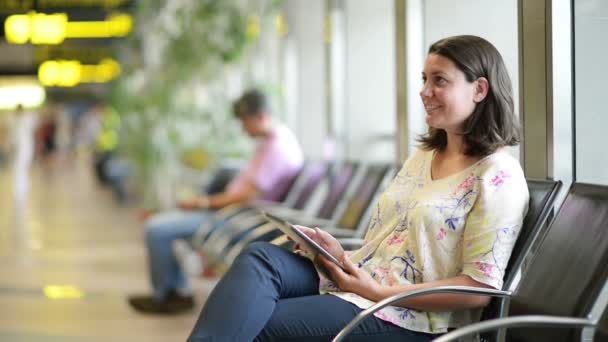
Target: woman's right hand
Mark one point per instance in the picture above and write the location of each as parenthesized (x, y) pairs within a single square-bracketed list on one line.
[(324, 239)]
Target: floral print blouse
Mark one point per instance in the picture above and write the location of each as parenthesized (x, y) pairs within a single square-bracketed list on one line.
[(425, 230)]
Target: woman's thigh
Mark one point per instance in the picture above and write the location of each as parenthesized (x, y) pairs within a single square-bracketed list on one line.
[(321, 317)]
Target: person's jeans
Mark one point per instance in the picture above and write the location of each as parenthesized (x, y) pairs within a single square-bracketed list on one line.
[(271, 294), (117, 172), (161, 230)]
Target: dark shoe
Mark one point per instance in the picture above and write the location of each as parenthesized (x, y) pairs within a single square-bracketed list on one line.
[(173, 304)]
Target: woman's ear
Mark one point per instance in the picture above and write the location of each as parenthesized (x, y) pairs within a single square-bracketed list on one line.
[(482, 86)]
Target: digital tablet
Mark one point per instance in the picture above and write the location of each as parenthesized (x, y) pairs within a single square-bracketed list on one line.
[(300, 238)]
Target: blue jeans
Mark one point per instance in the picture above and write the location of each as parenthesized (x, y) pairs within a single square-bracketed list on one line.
[(271, 294), (161, 230)]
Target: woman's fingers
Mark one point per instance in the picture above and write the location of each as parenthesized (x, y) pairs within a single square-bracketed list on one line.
[(348, 265), (334, 269), (304, 228), (299, 250), (325, 236), (311, 233)]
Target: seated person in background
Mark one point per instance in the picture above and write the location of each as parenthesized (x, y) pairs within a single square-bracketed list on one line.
[(277, 159), (450, 217)]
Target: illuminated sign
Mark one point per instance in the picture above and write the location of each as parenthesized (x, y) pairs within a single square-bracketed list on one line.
[(40, 28), (65, 73)]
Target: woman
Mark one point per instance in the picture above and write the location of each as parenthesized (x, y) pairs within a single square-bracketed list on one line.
[(450, 217)]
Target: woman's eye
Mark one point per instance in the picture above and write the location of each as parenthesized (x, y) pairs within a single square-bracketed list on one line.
[(440, 81)]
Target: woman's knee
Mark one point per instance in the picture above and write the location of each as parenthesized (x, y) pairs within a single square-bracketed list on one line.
[(259, 251), (258, 248)]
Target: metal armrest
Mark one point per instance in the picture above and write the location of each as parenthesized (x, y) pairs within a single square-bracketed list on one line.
[(233, 212), (466, 290), (231, 209), (217, 242), (259, 203), (235, 208), (239, 246), (517, 321)]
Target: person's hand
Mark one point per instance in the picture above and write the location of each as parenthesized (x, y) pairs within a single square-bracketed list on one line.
[(145, 214), (351, 278), (323, 239), (199, 202)]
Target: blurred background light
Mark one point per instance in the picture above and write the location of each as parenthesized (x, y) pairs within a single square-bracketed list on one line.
[(253, 27), (281, 25), (40, 28), (26, 91), (117, 25), (58, 292), (48, 28), (17, 29), (70, 73)]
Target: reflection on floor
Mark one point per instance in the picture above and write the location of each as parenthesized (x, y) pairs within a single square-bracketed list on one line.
[(68, 262)]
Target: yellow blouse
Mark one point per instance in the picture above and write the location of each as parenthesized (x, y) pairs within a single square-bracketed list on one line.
[(425, 230)]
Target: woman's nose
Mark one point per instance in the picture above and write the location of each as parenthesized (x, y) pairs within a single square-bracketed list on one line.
[(425, 91)]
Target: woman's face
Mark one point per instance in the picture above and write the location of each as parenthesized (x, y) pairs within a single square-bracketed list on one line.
[(448, 98)]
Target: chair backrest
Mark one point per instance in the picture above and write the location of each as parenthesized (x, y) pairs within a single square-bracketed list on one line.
[(363, 196), (341, 176), (306, 184), (570, 266), (291, 186), (543, 194)]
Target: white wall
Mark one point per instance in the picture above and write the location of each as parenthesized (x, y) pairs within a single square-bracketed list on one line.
[(591, 49), (370, 80), (494, 20)]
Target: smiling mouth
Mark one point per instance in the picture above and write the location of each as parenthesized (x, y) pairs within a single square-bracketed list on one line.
[(430, 108)]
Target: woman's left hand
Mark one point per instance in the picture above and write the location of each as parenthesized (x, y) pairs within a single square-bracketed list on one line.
[(352, 278)]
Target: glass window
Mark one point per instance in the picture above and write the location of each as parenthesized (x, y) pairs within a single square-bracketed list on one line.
[(590, 51), (370, 103), (305, 87)]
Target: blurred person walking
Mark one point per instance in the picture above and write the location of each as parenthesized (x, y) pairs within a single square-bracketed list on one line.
[(4, 140), (106, 143), (23, 151)]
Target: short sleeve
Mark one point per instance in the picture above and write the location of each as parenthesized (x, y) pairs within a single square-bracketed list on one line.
[(494, 223), (271, 168)]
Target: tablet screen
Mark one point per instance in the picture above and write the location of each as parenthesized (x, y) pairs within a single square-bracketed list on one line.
[(299, 237)]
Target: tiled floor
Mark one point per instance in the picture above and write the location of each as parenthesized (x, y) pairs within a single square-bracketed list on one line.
[(76, 237)]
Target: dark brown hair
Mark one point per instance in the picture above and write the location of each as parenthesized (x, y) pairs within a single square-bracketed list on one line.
[(251, 103), (493, 123)]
